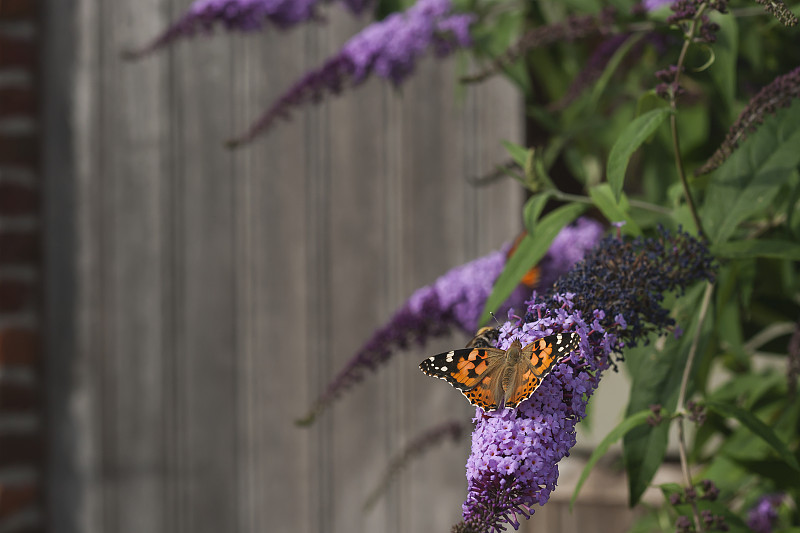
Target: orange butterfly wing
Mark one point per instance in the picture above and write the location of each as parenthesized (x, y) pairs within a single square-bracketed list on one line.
[(539, 358), (471, 371)]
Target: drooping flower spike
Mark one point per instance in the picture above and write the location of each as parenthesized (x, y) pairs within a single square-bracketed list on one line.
[(779, 93), (455, 300), (239, 15), (389, 49), (611, 299)]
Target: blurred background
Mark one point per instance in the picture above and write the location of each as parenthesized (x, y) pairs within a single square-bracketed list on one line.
[(168, 307)]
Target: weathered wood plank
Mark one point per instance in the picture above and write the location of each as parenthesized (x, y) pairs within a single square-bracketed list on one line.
[(217, 293)]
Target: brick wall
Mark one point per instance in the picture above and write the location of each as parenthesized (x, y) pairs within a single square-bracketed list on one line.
[(21, 395)]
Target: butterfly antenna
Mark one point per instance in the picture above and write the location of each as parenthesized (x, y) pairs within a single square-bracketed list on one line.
[(495, 319)]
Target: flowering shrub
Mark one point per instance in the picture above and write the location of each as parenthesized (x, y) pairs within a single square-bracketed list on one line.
[(677, 122)]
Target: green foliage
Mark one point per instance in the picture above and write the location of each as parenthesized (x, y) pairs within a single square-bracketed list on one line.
[(632, 165)]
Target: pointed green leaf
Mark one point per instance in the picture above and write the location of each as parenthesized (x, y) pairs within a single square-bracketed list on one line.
[(518, 153), (613, 436), (758, 248), (529, 252), (759, 429), (613, 210), (533, 209), (656, 378), (632, 137)]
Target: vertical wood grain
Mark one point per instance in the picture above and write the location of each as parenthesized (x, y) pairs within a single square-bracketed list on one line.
[(217, 292)]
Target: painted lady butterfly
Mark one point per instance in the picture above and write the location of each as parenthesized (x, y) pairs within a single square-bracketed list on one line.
[(491, 378)]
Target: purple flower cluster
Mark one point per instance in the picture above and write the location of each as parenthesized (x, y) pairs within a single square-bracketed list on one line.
[(763, 517), (514, 457), (631, 277), (389, 48), (454, 299), (240, 15)]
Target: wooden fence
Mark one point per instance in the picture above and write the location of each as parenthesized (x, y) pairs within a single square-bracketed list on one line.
[(198, 299)]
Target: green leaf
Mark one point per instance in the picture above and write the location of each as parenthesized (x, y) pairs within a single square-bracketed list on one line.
[(759, 429), (631, 138), (610, 68), (656, 378), (614, 210), (613, 436), (533, 209), (518, 153), (749, 180), (529, 252), (774, 248)]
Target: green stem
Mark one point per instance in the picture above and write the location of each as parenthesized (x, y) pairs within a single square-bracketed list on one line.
[(673, 120), (687, 477), (567, 197)]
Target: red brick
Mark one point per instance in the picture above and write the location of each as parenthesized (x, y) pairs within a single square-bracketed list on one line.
[(16, 199), (16, 499), (19, 151), (17, 9), (15, 397), (20, 450), (16, 102), (15, 296), (18, 346), (17, 53), (19, 248)]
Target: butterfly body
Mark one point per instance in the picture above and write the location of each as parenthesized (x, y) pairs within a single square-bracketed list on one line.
[(490, 377)]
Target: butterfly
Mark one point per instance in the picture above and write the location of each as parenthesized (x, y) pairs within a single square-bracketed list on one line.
[(491, 378)]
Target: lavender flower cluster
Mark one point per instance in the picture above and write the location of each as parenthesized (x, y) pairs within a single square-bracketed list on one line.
[(240, 15), (513, 464), (455, 299), (611, 298), (389, 48)]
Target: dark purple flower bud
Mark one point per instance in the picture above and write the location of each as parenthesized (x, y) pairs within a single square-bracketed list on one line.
[(628, 277), (779, 10), (711, 492), (675, 499), (683, 524), (690, 493)]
